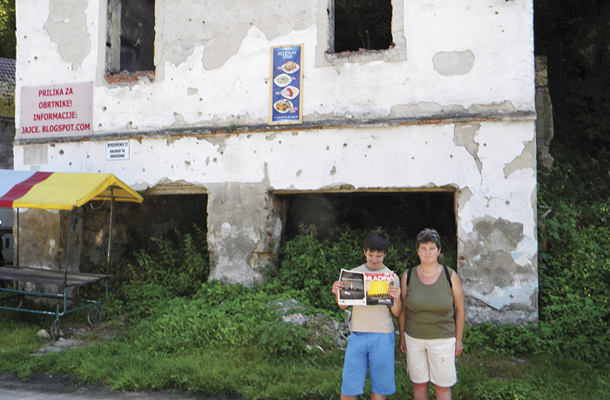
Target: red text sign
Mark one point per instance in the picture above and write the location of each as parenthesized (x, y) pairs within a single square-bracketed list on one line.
[(56, 111)]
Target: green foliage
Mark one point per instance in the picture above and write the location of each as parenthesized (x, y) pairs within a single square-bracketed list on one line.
[(284, 339), (180, 263), (7, 99), (7, 50), (311, 266), (574, 268), (137, 301), (219, 315), (8, 39)]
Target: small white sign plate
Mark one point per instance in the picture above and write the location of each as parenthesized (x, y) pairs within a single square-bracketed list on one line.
[(117, 150)]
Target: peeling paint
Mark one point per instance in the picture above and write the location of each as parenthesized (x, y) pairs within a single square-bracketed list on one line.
[(212, 23), (179, 120), (463, 197), (218, 140), (67, 27), (527, 159), (464, 136), (36, 155), (449, 63), (436, 110), (505, 107), (497, 277), (234, 232)]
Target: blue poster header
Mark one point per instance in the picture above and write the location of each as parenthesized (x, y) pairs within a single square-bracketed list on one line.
[(286, 84)]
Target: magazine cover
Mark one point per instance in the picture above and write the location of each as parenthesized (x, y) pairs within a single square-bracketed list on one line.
[(365, 288)]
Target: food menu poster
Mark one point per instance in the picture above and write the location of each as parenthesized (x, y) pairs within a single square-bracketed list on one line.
[(286, 84)]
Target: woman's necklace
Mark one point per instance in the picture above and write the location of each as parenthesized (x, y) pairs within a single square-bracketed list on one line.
[(433, 273)]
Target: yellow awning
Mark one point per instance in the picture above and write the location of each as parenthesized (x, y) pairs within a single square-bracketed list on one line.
[(60, 190)]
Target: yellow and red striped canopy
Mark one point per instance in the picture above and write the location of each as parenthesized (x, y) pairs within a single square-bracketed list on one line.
[(60, 190)]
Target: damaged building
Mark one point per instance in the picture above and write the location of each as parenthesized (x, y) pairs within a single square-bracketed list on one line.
[(226, 109)]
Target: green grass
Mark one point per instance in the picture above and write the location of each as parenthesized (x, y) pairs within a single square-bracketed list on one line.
[(128, 363)]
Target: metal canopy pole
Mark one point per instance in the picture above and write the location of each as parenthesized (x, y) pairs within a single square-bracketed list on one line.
[(16, 243), (110, 230), (69, 242)]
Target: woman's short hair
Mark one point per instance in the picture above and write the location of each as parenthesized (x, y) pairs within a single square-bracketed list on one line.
[(428, 236), (376, 241)]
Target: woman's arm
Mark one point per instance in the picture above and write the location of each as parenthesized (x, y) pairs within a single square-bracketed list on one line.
[(458, 306), (401, 318)]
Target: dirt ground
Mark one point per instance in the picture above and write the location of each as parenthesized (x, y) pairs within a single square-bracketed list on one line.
[(63, 387)]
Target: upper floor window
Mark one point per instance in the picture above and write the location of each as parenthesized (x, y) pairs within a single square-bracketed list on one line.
[(131, 36), (362, 24), (360, 31)]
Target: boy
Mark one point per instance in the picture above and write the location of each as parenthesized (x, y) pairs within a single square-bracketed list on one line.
[(372, 338)]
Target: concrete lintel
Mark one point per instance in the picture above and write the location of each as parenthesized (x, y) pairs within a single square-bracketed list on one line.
[(207, 131)]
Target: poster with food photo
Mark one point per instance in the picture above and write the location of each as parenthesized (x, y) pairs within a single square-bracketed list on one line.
[(286, 88)]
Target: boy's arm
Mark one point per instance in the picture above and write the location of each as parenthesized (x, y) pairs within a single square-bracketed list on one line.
[(337, 286), (396, 308), (401, 318)]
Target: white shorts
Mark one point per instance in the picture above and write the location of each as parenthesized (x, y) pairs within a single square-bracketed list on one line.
[(431, 361)]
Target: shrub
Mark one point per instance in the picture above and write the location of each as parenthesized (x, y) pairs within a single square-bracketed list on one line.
[(180, 263)]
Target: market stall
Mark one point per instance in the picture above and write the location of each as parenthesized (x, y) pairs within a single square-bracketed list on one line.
[(58, 191)]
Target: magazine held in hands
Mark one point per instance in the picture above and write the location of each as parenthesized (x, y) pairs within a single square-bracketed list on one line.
[(365, 288)]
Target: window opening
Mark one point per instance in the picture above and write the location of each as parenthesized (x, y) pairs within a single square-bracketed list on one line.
[(362, 24), (157, 216), (131, 36), (401, 214)]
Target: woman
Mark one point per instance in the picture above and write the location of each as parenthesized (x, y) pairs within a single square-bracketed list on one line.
[(432, 320)]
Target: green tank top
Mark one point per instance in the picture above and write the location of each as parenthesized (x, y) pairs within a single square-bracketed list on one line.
[(429, 313)]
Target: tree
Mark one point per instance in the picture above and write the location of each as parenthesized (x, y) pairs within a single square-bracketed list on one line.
[(8, 40), (575, 36)]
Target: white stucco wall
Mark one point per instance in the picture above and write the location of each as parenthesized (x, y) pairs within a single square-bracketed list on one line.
[(65, 42), (458, 97)]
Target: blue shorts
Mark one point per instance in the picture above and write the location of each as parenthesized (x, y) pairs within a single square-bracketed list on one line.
[(374, 351)]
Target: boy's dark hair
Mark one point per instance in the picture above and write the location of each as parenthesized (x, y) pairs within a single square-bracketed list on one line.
[(376, 241)]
